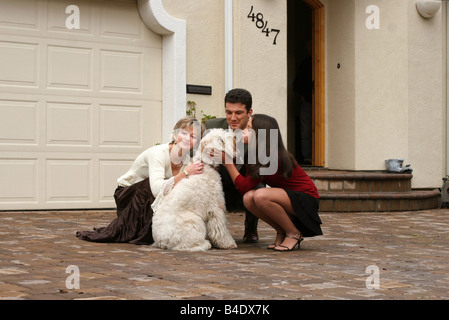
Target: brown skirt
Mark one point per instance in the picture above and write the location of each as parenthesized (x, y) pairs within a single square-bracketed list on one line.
[(134, 217)]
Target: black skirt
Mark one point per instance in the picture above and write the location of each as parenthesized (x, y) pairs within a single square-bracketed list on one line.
[(306, 208), (134, 217)]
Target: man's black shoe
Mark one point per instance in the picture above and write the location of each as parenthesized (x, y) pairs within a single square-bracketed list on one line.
[(251, 237)]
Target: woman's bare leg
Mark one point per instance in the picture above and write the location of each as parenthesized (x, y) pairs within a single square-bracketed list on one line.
[(254, 208), (273, 206)]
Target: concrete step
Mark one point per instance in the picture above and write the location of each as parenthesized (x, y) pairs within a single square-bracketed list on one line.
[(379, 201), (360, 181), (366, 191)]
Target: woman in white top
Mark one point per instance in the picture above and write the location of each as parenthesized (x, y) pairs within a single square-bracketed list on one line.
[(152, 175)]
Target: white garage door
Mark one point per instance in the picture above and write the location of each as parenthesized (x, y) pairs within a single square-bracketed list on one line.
[(76, 105)]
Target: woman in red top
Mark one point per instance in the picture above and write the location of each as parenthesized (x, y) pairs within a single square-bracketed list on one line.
[(291, 203)]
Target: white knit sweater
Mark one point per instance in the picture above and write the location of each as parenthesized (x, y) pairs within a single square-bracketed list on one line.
[(154, 163)]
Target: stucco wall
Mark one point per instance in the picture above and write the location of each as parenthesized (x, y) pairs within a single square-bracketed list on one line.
[(259, 66), (340, 83), (427, 97), (381, 57), (387, 100), (205, 49)]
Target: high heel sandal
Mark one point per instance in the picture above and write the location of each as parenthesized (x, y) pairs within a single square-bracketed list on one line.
[(274, 245), (298, 243)]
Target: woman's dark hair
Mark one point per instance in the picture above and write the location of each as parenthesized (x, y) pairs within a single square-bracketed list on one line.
[(240, 96), (286, 161)]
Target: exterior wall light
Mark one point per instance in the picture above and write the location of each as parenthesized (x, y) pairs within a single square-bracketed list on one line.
[(428, 8)]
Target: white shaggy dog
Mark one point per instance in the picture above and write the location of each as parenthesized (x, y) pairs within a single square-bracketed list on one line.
[(192, 215)]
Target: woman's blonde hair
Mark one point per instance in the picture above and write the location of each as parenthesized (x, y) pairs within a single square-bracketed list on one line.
[(187, 122)]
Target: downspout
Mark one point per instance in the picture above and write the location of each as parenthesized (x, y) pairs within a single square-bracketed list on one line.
[(229, 64)]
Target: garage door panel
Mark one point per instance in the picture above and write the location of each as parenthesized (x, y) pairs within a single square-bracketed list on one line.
[(23, 14), (19, 180), (56, 21), (88, 125), (69, 124), (69, 180), (19, 64), (109, 171), (76, 106), (18, 122), (120, 126), (152, 68), (121, 20), (69, 67), (98, 19), (62, 67), (121, 71), (113, 21)]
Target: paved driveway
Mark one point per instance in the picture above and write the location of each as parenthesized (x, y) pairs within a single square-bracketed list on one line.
[(403, 255)]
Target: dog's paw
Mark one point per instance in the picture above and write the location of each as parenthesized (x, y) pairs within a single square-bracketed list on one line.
[(233, 246)]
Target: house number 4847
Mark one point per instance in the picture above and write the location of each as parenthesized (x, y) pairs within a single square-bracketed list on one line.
[(262, 24)]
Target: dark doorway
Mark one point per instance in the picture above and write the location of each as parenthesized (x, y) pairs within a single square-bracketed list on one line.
[(300, 80)]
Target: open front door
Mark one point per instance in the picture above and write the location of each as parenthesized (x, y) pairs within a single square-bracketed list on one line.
[(307, 24), (318, 94)]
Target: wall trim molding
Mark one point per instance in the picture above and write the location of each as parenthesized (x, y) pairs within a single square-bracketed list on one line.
[(173, 32)]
